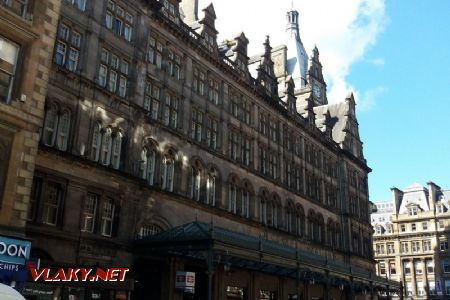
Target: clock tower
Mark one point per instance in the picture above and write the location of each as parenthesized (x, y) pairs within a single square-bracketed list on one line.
[(315, 79)]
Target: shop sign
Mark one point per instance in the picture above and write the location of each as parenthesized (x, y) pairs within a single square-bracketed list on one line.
[(14, 251), (185, 281), (13, 255)]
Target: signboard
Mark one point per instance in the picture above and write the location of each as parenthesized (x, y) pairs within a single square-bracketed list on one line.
[(185, 281), (13, 256)]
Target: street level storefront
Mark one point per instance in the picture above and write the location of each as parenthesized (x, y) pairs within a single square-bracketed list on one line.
[(63, 281), (229, 265), (14, 254)]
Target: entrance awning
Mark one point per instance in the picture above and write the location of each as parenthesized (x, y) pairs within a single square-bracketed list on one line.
[(199, 240)]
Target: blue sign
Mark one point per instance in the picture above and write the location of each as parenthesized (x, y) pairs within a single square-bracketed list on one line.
[(14, 254), (14, 251)]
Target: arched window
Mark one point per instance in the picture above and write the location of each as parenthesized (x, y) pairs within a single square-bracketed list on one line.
[(338, 236), (148, 159), (148, 230), (196, 179), (232, 195), (263, 205), (96, 142), (105, 152), (300, 220), (116, 149), (320, 234), (63, 130), (291, 218), (311, 225), (50, 125), (168, 168), (245, 203), (272, 214), (330, 233), (211, 189)]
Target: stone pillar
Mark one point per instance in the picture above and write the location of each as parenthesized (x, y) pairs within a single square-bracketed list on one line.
[(413, 277), (425, 274)]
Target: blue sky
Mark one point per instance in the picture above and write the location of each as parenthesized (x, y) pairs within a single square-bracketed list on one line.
[(406, 131), (394, 55)]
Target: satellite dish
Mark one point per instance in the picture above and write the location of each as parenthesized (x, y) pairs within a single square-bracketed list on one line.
[(8, 293)]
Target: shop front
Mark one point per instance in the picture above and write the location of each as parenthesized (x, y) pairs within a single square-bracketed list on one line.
[(14, 254)]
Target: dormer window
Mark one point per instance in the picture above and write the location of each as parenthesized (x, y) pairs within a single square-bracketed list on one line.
[(379, 229), (412, 211), (169, 10), (440, 208)]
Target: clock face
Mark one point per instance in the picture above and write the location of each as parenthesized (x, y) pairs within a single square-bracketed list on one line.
[(316, 91)]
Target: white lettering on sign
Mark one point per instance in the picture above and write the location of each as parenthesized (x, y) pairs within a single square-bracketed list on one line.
[(13, 250)]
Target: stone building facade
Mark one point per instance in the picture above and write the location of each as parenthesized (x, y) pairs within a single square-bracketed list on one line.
[(27, 34), (411, 244), (162, 150)]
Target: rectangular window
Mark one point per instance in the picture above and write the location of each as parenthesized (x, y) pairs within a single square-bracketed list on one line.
[(390, 248), (174, 62), (402, 227), (418, 267), (211, 132), (443, 245), (420, 288), (407, 267), (246, 112), (51, 203), (413, 227), (382, 266), (445, 266), (80, 4), (392, 269), (107, 217), (199, 82), (234, 141), (67, 48), (246, 150), (89, 212), (263, 161), (154, 55), (263, 124), (8, 57), (430, 266), (447, 287), (102, 75), (273, 130), (113, 73), (426, 245), (441, 224), (197, 125), (123, 86), (213, 91), (432, 287), (119, 20), (404, 247), (170, 111), (415, 246), (152, 100), (425, 225)]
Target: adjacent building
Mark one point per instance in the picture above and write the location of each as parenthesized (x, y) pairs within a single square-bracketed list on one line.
[(411, 240), (166, 152), (27, 34)]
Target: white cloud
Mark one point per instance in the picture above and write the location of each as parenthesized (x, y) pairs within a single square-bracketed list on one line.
[(342, 30), (368, 98), (379, 61)]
